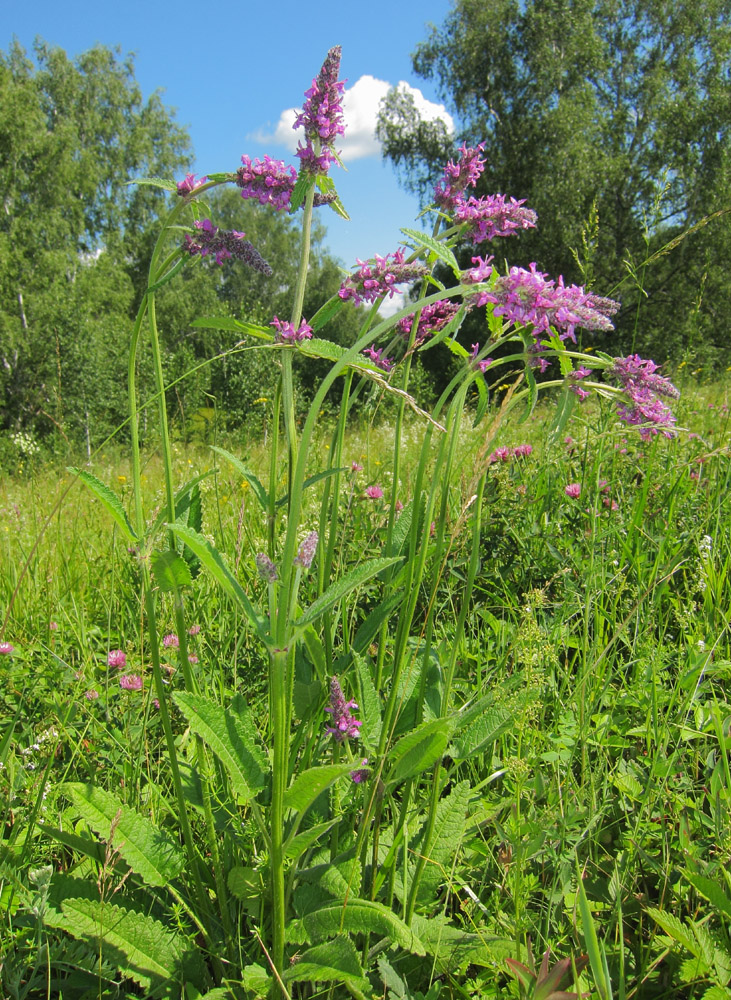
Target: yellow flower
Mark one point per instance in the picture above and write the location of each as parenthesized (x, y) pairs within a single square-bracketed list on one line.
[(261, 399), (122, 479)]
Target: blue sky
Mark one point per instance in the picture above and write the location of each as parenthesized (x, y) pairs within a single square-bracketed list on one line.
[(232, 71)]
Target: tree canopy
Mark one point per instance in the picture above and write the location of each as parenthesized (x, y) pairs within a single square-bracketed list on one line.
[(614, 112)]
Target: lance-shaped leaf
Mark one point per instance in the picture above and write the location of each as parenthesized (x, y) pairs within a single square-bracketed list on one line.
[(109, 499), (440, 250), (309, 784), (361, 916), (418, 750), (146, 848), (231, 734), (213, 562), (338, 590)]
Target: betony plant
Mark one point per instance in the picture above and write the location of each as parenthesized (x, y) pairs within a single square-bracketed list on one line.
[(307, 844)]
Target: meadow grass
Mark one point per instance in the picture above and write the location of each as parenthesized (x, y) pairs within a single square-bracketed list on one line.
[(598, 630)]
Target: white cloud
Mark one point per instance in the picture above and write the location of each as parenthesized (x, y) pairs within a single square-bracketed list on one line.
[(390, 306), (360, 110)]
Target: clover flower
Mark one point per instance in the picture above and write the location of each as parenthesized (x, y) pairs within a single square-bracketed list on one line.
[(266, 568), (374, 492), (287, 334), (493, 216), (91, 695), (270, 181), (223, 244), (171, 641), (433, 318), (379, 276), (643, 387), (307, 550), (458, 176), (573, 490), (344, 725), (385, 364), (523, 450), (6, 648), (189, 184), (130, 682), (116, 658)]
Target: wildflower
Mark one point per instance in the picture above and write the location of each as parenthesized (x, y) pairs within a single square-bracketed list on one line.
[(399, 506), (53, 626), (192, 658), (379, 276), (459, 176), (643, 387), (432, 318), (494, 216), (344, 725), (189, 184), (361, 773), (307, 550), (523, 450), (91, 695), (130, 682), (6, 648), (267, 569), (116, 658), (500, 455), (356, 467), (223, 244), (385, 364), (194, 630), (573, 490), (374, 492), (270, 181), (171, 641), (704, 546), (480, 272), (322, 116), (287, 334), (481, 365)]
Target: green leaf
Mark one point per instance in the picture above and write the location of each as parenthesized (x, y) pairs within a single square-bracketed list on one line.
[(146, 848), (338, 590), (109, 499), (311, 480), (219, 323), (369, 702), (231, 734), (596, 955), (82, 845), (215, 565), (310, 783), (361, 916), (712, 892), (295, 847), (138, 944), (261, 494), (483, 732), (316, 348), (440, 250), (446, 838), (158, 182), (418, 750), (675, 929), (327, 312), (303, 183), (334, 961), (170, 571)]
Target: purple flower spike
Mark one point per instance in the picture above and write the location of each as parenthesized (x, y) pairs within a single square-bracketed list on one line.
[(494, 216), (267, 569), (643, 386), (307, 551), (287, 334), (433, 318), (458, 176), (270, 181), (222, 244), (385, 364), (378, 277), (344, 725), (322, 116), (361, 773)]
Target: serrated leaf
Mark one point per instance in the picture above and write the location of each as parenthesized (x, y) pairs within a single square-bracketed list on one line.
[(482, 732), (316, 348), (261, 494), (361, 916), (334, 961), (675, 929), (310, 783), (140, 946), (158, 182), (215, 565), (712, 892), (299, 192), (444, 253), (230, 733), (146, 848), (109, 499), (171, 571), (418, 750), (338, 590), (446, 837), (369, 702)]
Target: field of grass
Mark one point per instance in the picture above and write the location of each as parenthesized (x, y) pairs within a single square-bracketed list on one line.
[(589, 795)]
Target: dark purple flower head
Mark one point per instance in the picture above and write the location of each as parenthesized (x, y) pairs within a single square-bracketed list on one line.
[(385, 364), (361, 773), (307, 550), (223, 244), (432, 319), (189, 184), (379, 276), (459, 176), (287, 334), (344, 725), (493, 216), (642, 386), (266, 568)]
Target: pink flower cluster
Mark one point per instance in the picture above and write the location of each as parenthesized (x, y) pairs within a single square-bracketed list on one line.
[(433, 318), (322, 116), (287, 334), (344, 725), (307, 550), (385, 364), (6, 648), (494, 216), (130, 682), (223, 244), (189, 184), (269, 181), (117, 658), (458, 176), (643, 388), (374, 492), (379, 276), (506, 454), (266, 568)]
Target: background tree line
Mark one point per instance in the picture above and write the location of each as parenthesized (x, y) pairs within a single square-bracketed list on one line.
[(610, 117)]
